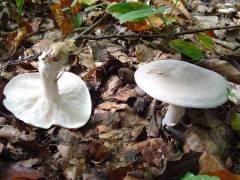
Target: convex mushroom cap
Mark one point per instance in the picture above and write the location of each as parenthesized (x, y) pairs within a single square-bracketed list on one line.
[(182, 84), (50, 97)]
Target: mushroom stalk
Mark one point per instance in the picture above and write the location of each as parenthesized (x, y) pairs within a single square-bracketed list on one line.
[(48, 74), (173, 115)]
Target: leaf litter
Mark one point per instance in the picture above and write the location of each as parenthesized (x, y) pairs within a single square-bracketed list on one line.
[(115, 143)]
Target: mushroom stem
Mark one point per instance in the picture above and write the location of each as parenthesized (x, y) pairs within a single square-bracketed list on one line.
[(48, 74), (173, 115)]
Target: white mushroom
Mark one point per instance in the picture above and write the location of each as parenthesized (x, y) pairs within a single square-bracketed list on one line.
[(181, 84), (50, 97)]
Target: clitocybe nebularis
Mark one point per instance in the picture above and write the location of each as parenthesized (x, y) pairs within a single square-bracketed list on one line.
[(181, 84), (50, 97)]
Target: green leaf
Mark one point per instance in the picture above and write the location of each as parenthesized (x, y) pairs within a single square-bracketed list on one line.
[(187, 48), (139, 14), (132, 11), (88, 2), (122, 8), (190, 176), (205, 40), (235, 122), (77, 20)]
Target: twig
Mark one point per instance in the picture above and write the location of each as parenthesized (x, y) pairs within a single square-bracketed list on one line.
[(11, 62), (89, 29), (29, 58), (153, 36), (153, 129)]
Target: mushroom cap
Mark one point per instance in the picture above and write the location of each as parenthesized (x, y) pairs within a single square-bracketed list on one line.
[(181, 83), (71, 110)]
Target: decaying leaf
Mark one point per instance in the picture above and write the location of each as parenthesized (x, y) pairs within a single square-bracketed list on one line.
[(97, 151), (63, 20), (13, 134), (155, 152), (210, 163), (224, 175), (16, 171), (222, 67)]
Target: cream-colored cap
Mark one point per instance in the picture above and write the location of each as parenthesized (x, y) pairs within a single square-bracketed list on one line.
[(182, 84)]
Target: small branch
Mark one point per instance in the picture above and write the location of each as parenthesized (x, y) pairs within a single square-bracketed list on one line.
[(89, 29), (153, 129), (153, 36), (12, 62)]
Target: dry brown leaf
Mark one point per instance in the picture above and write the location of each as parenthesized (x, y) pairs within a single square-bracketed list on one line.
[(18, 172), (155, 152), (112, 85), (209, 163), (144, 53), (141, 26), (224, 175), (124, 93), (112, 136), (98, 152), (15, 38), (199, 140), (64, 21), (182, 8), (222, 67), (13, 134), (108, 105)]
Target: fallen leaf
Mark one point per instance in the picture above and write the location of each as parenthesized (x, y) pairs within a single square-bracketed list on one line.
[(97, 151), (141, 26), (18, 172), (182, 8), (155, 152), (187, 48), (224, 175), (144, 53), (175, 169), (222, 67), (13, 134), (112, 85), (64, 21), (108, 105), (210, 163)]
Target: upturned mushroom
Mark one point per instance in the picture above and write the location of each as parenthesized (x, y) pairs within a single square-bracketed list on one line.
[(50, 97), (182, 85)]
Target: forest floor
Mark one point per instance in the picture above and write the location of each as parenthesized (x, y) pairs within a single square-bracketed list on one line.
[(124, 138)]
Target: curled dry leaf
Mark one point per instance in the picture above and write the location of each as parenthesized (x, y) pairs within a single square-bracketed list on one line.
[(15, 38), (224, 68)]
